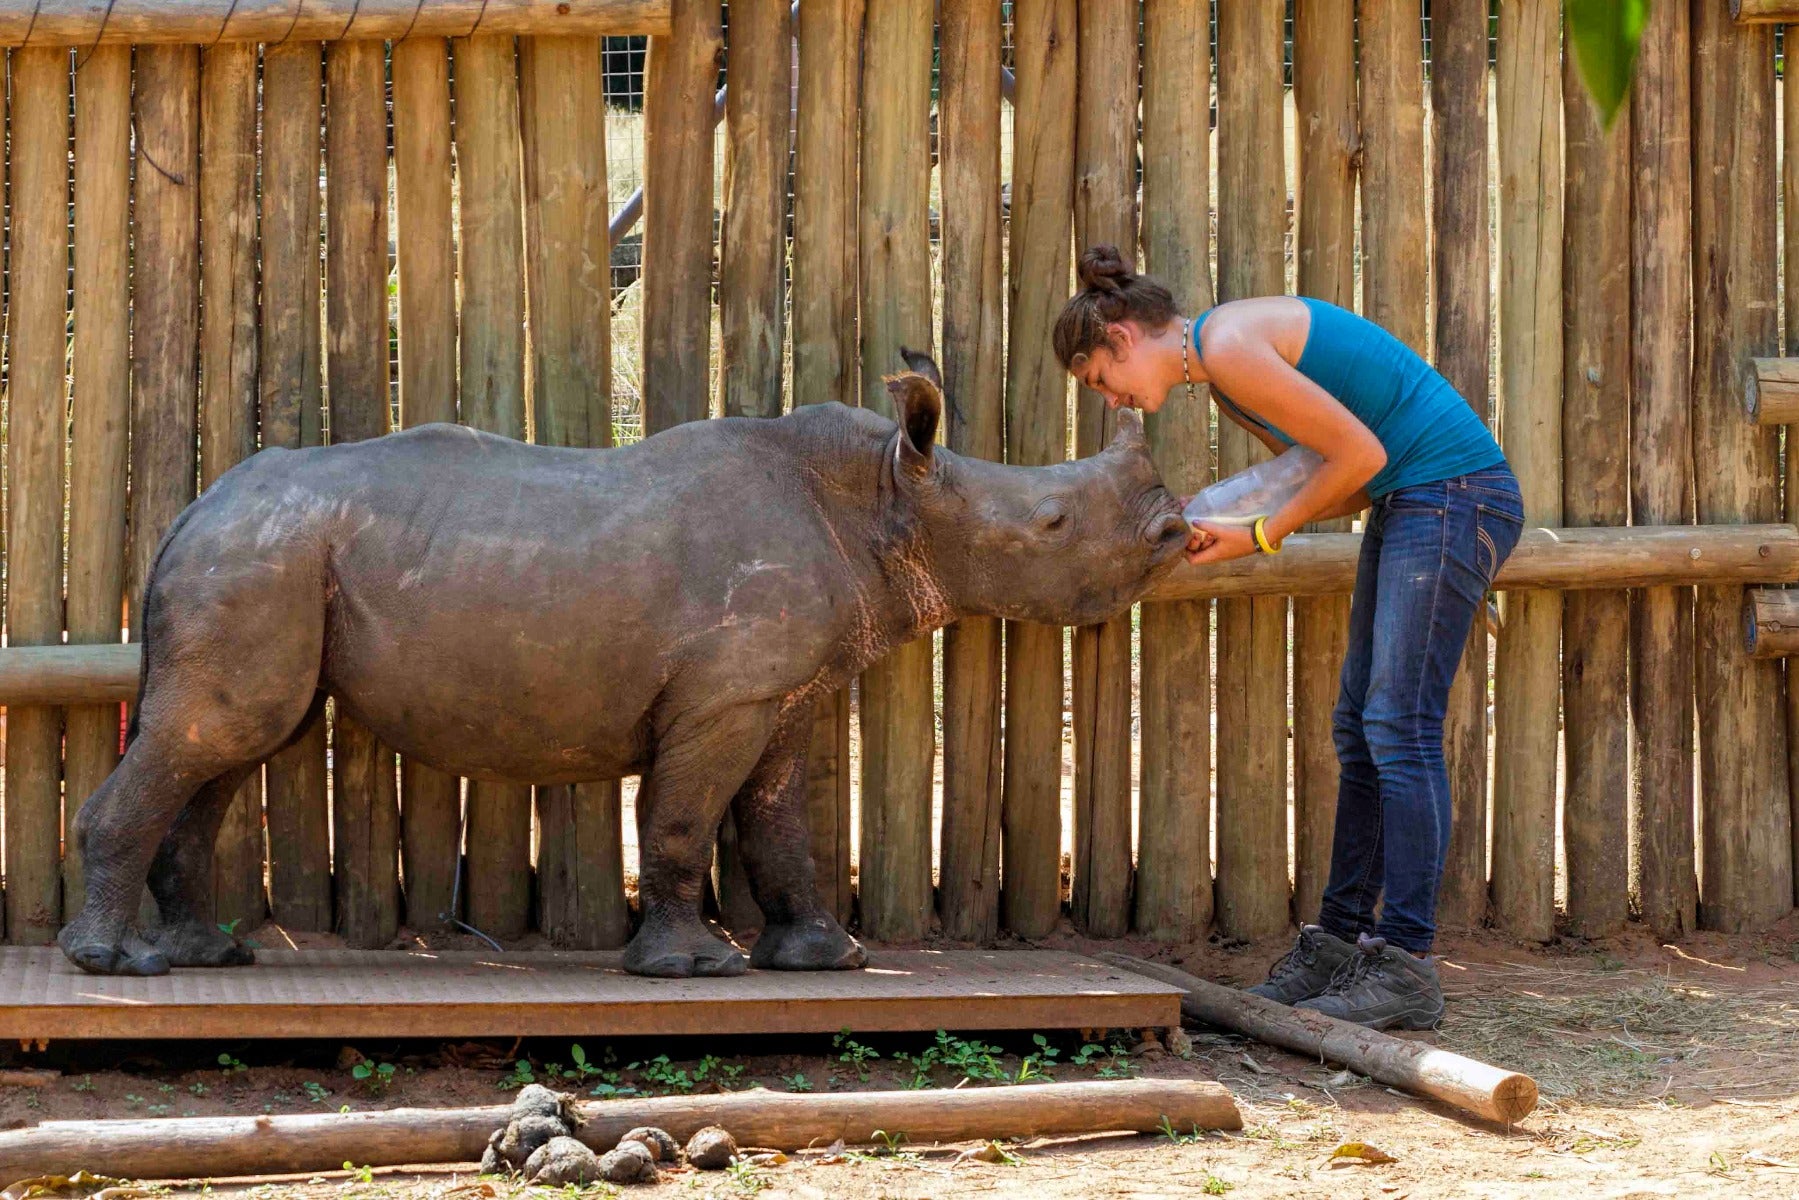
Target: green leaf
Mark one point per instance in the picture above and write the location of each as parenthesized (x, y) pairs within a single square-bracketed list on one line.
[(1603, 36)]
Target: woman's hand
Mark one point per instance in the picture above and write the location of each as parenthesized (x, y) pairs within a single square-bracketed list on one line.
[(1213, 541)]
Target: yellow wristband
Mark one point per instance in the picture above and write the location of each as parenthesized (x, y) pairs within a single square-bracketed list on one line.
[(1261, 535)]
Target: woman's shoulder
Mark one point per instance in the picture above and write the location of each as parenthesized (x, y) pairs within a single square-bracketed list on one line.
[(1278, 321)]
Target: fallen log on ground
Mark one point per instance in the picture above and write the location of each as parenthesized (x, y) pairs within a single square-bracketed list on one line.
[(1487, 1091), (220, 1146)]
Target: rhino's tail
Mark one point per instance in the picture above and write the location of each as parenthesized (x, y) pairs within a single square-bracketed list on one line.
[(143, 620)]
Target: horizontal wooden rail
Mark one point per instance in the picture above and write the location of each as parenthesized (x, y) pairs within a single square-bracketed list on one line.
[(89, 22), (1322, 564), (1313, 564), (1771, 622), (1771, 393), (1764, 11)]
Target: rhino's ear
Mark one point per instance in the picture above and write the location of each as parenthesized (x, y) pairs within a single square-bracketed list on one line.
[(918, 406), (922, 363), (1129, 434)]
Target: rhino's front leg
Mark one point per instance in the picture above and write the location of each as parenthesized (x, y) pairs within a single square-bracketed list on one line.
[(701, 760), (776, 845)]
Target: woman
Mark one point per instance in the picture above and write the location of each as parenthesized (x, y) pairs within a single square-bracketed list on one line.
[(1443, 513)]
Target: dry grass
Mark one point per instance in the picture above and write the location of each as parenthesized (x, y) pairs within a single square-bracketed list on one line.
[(1607, 1036)]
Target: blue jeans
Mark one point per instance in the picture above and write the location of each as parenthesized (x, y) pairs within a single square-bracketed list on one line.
[(1429, 555)]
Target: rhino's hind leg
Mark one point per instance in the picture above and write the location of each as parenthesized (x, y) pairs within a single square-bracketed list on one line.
[(773, 837), (181, 881), (701, 760), (118, 829)]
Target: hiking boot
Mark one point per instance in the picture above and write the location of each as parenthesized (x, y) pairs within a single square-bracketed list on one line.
[(1383, 987), (1307, 969)]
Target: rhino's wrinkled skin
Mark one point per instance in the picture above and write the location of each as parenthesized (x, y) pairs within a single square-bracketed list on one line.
[(506, 611)]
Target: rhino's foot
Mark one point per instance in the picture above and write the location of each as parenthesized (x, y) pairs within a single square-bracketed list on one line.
[(814, 943), (191, 944), (678, 952), (129, 955)]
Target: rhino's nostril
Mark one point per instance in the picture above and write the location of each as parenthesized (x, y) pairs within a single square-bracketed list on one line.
[(1170, 527)]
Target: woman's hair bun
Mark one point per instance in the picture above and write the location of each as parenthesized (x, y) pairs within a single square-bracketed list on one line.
[(1103, 269)]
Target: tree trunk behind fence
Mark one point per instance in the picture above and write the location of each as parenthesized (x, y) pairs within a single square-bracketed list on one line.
[(1462, 269), (291, 415), (679, 76), (974, 378), (1174, 856), (228, 396), (1043, 39), (1596, 491), (898, 735), (1252, 633), (37, 424), (1324, 95), (491, 236), (101, 415), (825, 364), (430, 799), (580, 854), (1661, 633), (752, 282), (1105, 212), (1528, 670), (1746, 868), (365, 829)]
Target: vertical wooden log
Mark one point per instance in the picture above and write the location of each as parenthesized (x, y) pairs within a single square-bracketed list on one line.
[(974, 376), (824, 352), (430, 799), (1174, 892), (228, 396), (1464, 330), (1252, 633), (1661, 632), (1746, 869), (1789, 178), (1394, 290), (491, 229), (1105, 195), (898, 731), (680, 75), (1596, 491), (580, 854), (753, 242), (1528, 664), (165, 314), (1043, 39), (102, 415), (1324, 99), (752, 276), (37, 425), (291, 415), (365, 800)]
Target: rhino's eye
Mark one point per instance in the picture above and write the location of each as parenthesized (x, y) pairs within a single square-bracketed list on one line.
[(1055, 522), (1051, 516)]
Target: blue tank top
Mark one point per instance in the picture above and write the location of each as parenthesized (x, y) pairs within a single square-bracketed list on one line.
[(1428, 431)]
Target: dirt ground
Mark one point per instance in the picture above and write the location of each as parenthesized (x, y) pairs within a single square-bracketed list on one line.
[(1665, 1070)]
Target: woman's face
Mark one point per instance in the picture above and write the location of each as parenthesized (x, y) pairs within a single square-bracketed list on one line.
[(1125, 372)]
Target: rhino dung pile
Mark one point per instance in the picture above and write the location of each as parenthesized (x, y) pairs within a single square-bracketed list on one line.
[(538, 1142)]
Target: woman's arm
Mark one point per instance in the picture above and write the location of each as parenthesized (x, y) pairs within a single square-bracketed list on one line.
[(1254, 374)]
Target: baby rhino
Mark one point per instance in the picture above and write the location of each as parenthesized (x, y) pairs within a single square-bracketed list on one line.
[(514, 612)]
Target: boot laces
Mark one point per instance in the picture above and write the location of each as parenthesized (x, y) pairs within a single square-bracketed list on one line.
[(1360, 966), (1303, 955)]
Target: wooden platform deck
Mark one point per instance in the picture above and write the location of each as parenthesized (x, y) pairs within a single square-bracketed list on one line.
[(361, 993)]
